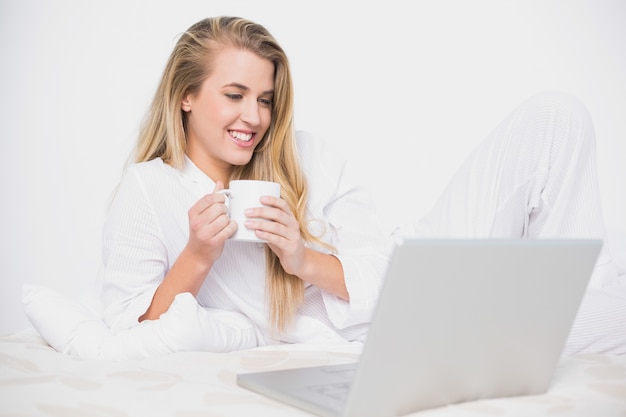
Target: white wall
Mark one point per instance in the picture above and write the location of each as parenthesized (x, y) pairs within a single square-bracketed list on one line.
[(408, 90)]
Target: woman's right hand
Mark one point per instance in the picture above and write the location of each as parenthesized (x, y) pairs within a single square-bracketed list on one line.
[(209, 227)]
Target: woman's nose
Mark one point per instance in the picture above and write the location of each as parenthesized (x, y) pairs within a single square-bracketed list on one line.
[(250, 113)]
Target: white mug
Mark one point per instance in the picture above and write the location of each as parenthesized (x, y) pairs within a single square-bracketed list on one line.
[(242, 195)]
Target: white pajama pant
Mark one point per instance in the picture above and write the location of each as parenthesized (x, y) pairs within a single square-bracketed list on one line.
[(535, 176)]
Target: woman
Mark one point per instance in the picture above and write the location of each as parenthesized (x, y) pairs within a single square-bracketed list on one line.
[(175, 282), (223, 111)]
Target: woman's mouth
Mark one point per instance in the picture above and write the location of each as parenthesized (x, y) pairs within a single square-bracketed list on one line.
[(240, 136)]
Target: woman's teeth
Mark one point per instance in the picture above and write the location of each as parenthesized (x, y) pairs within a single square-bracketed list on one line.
[(244, 137)]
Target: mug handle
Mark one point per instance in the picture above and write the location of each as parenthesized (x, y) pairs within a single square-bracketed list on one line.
[(228, 196)]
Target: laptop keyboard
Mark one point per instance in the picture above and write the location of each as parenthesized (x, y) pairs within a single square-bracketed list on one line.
[(337, 391)]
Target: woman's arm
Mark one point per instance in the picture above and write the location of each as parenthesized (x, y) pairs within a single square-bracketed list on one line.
[(154, 246), (209, 228), (342, 214)]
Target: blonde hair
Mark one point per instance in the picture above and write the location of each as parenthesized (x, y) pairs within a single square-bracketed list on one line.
[(163, 134)]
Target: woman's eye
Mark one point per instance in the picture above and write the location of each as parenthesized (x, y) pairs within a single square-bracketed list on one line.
[(265, 101), (234, 96)]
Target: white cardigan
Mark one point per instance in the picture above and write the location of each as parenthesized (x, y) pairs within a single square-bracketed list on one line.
[(147, 228)]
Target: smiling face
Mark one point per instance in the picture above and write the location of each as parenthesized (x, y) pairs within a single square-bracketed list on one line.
[(229, 115)]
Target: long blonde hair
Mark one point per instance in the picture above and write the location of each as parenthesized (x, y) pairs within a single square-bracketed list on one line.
[(163, 134)]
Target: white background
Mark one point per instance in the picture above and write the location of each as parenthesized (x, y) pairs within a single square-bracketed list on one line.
[(406, 88)]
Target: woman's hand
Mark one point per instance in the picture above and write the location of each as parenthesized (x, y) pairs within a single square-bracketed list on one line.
[(275, 224), (209, 227)]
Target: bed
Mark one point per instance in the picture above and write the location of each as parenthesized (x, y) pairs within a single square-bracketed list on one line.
[(36, 380)]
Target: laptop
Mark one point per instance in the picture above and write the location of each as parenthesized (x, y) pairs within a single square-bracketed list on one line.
[(456, 321)]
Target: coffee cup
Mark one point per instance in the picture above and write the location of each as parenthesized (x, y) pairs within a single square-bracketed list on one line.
[(242, 195)]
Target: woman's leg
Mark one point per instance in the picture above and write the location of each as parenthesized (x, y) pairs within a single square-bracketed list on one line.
[(535, 176), (525, 179)]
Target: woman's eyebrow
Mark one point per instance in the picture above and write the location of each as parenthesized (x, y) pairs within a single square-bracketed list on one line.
[(245, 88), (236, 85)]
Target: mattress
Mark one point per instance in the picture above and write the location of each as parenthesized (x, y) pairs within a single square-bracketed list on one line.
[(36, 380)]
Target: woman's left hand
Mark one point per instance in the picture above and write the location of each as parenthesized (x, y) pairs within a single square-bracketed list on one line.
[(275, 224)]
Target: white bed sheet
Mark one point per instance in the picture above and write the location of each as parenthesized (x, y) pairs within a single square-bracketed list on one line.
[(36, 380)]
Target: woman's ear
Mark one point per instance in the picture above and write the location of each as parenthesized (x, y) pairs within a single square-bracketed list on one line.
[(185, 105)]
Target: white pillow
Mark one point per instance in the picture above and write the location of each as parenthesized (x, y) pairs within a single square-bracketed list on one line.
[(58, 319), (71, 328)]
